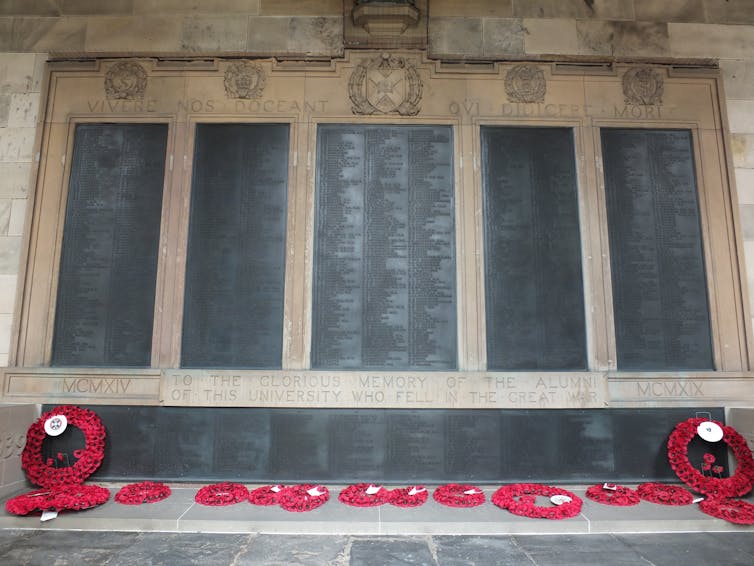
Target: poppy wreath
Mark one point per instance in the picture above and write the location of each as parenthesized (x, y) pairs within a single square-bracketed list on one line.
[(401, 496), (144, 492), (356, 495), (454, 495), (526, 505), (75, 498), (719, 488), (664, 494), (219, 494), (266, 495), (298, 499), (43, 473), (620, 496), (732, 510)]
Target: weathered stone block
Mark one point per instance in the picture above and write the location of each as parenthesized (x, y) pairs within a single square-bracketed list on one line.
[(48, 34), (315, 36), (622, 38), (23, 109), (5, 322), (473, 8), (301, 7), (745, 185), (95, 7), (268, 34), (455, 37), (550, 36), (741, 116), (151, 7), (4, 108), (738, 78), (746, 213), (29, 8), (502, 37), (6, 33), (7, 293), (749, 259), (214, 34), (10, 248), (40, 60), (14, 179), (17, 217), (16, 71), (116, 34), (599, 9), (16, 144), (669, 10), (730, 11), (742, 147), (5, 206), (709, 40)]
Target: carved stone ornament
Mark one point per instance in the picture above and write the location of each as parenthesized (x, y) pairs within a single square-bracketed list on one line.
[(525, 83), (126, 80), (244, 79), (643, 86), (385, 85)]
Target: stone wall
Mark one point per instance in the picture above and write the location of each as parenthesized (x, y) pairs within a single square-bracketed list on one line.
[(458, 29)]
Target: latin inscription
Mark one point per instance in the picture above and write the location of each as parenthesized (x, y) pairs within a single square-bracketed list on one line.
[(100, 106), (669, 389)]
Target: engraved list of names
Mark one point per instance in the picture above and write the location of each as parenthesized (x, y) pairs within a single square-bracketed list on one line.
[(384, 275)]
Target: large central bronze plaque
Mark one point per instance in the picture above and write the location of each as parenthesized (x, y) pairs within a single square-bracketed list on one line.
[(384, 275)]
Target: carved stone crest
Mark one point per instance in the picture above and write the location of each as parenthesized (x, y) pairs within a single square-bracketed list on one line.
[(385, 85), (244, 79), (126, 80), (643, 86), (525, 83)]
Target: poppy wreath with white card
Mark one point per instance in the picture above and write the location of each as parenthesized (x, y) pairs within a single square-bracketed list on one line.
[(609, 494), (459, 495), (364, 495), (411, 496), (521, 499), (303, 497), (266, 495)]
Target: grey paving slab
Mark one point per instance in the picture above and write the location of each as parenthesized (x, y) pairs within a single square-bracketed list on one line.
[(685, 550), (61, 548), (179, 550), (276, 550), (479, 551), (390, 552)]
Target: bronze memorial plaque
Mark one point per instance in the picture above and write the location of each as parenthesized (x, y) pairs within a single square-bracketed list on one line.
[(659, 287), (108, 264), (384, 266)]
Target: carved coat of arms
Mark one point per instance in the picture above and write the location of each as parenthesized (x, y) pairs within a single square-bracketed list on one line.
[(643, 86), (126, 80), (525, 83), (244, 79), (385, 85)]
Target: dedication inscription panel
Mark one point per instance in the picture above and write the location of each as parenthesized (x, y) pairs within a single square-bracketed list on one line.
[(533, 280), (659, 286), (108, 265), (233, 307), (384, 271)]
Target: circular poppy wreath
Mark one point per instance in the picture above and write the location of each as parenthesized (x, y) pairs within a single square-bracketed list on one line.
[(738, 484), (144, 492), (297, 498), (219, 494), (620, 496), (526, 506), (732, 510), (43, 473), (664, 494), (68, 498), (266, 495), (454, 495), (401, 496), (356, 495)]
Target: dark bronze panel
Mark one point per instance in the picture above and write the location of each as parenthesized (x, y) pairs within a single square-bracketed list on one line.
[(389, 445), (533, 280), (233, 307), (108, 268), (659, 286), (384, 274)]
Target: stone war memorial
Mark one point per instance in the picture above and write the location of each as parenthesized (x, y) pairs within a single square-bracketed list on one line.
[(408, 242)]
